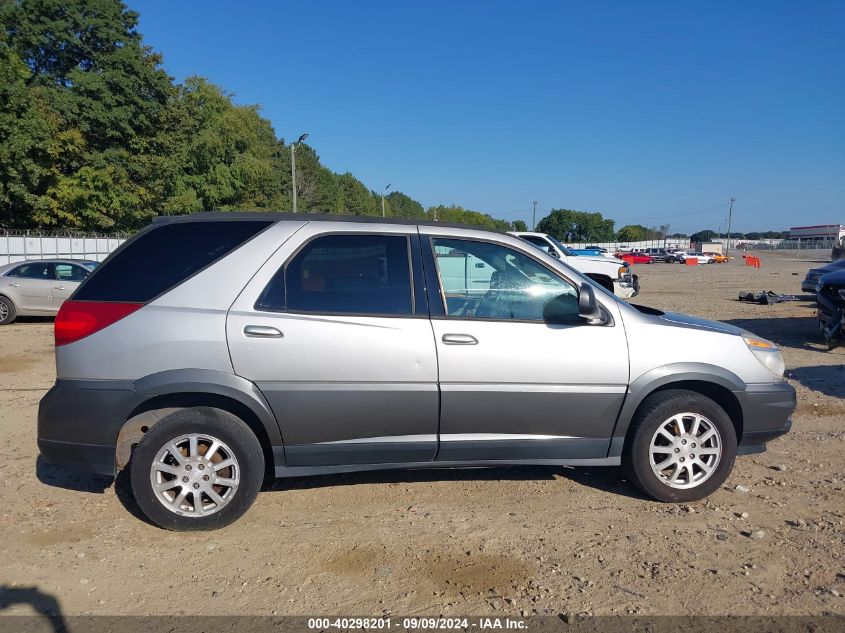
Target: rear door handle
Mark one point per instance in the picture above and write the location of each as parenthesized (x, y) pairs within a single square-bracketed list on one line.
[(262, 331), (15, 285), (459, 339), (58, 287)]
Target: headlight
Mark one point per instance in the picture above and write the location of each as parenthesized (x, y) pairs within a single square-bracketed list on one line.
[(767, 353), (623, 270)]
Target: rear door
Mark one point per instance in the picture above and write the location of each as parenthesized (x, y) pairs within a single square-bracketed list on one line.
[(334, 330), (67, 279), (32, 287)]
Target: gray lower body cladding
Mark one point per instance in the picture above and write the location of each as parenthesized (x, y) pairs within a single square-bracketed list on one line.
[(766, 412), (79, 421)]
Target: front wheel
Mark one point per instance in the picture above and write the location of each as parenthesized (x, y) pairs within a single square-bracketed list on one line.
[(681, 446), (197, 469)]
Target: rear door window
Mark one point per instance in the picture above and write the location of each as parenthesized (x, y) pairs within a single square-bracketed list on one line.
[(346, 274), (164, 257)]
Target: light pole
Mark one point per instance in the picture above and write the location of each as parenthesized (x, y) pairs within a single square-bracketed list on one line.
[(730, 213), (293, 166), (382, 199), (534, 218)]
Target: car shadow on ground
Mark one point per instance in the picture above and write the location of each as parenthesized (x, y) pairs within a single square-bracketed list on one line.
[(606, 478), (34, 319), (44, 604), (62, 477), (796, 332), (825, 379)]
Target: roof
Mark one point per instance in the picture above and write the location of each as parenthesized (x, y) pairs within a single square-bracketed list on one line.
[(52, 260), (277, 216)]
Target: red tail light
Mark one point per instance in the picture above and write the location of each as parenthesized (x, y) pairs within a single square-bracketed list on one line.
[(78, 319)]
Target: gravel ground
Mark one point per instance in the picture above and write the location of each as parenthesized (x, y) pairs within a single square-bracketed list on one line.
[(502, 541)]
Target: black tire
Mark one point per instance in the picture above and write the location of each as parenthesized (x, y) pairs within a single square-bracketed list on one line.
[(670, 260), (235, 435), (11, 313), (651, 415)]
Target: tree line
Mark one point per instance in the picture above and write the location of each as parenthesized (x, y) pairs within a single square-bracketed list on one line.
[(94, 135)]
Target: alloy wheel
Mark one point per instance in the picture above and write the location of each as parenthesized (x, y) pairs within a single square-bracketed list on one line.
[(685, 450), (195, 475)]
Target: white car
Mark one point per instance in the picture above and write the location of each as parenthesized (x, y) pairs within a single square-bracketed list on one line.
[(611, 273), (701, 257)]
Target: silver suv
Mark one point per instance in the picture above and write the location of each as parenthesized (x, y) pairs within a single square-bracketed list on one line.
[(212, 352)]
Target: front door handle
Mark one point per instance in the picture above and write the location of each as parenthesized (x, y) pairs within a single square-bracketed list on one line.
[(15, 285), (459, 339), (58, 287), (262, 331)]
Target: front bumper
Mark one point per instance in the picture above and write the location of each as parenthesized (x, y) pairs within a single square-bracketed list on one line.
[(809, 285), (766, 413), (627, 288), (79, 421)]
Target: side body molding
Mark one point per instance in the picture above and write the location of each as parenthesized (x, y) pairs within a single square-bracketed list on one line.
[(659, 377), (176, 381)]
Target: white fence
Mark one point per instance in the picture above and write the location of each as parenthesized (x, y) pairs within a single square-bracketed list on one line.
[(669, 242), (17, 248)]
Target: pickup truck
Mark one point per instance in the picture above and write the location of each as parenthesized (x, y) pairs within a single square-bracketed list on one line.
[(611, 273)]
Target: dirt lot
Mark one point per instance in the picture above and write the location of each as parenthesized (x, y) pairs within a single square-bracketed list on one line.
[(529, 540)]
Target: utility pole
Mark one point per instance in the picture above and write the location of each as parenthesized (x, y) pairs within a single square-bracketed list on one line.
[(730, 213), (382, 199), (293, 166), (534, 218)]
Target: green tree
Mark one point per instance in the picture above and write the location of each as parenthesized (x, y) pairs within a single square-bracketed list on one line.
[(401, 206), (703, 236), (577, 226), (518, 225), (632, 233)]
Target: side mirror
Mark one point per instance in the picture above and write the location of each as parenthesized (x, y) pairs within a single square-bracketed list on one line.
[(553, 253), (588, 307)]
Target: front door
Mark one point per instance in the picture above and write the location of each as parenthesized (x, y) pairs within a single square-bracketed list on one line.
[(340, 343), (513, 384)]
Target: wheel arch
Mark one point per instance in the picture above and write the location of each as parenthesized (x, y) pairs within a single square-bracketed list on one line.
[(716, 383), (169, 391)]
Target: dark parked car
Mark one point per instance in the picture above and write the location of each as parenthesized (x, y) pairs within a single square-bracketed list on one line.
[(814, 274), (830, 298), (661, 255)]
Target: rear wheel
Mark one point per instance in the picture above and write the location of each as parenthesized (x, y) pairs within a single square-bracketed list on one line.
[(197, 469), (681, 446), (8, 314)]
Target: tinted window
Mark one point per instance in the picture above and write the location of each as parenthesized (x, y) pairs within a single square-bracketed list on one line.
[(163, 258), (36, 270), (357, 274), (71, 272), (483, 280)]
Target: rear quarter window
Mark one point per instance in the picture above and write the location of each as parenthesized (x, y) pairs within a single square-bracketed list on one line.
[(164, 257)]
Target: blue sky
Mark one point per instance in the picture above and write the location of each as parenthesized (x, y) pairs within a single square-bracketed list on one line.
[(650, 112)]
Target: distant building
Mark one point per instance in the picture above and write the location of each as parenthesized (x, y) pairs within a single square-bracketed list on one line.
[(820, 234)]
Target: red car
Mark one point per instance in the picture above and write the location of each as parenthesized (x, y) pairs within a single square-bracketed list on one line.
[(635, 258)]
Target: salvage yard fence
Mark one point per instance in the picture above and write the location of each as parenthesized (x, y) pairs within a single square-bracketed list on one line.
[(17, 246)]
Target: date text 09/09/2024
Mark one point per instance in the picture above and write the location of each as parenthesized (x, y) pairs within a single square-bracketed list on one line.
[(417, 623)]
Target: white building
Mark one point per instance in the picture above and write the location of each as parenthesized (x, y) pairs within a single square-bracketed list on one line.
[(823, 234)]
